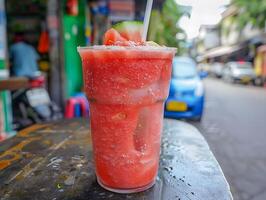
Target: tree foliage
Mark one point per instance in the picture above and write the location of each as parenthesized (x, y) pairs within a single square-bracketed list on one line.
[(163, 24), (253, 11)]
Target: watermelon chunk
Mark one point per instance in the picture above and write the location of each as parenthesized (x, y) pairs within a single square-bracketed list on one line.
[(124, 34), (131, 30), (112, 37), (127, 33)]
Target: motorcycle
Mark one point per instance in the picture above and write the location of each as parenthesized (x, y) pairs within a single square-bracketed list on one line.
[(33, 104)]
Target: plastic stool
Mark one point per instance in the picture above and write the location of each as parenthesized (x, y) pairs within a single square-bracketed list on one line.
[(77, 110), (77, 107), (70, 108), (3, 136), (84, 103)]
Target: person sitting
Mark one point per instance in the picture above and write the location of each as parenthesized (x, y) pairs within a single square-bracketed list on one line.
[(24, 58)]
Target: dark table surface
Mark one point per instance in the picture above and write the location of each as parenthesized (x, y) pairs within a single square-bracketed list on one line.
[(54, 161)]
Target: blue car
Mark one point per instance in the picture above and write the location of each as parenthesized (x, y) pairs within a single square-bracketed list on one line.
[(186, 96)]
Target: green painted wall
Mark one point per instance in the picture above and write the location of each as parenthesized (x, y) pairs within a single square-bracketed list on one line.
[(74, 35), (5, 96), (2, 64), (6, 99)]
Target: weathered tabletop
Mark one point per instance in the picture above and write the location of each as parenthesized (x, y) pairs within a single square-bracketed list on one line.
[(54, 161)]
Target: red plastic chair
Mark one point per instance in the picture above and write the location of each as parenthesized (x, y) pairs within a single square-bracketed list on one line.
[(72, 103), (3, 136)]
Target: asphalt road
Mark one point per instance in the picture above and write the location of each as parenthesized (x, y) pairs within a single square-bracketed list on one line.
[(234, 124)]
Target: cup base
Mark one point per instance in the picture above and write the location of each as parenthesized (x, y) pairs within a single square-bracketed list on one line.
[(125, 190)]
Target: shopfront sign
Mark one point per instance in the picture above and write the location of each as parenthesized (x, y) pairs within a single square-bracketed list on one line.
[(121, 10)]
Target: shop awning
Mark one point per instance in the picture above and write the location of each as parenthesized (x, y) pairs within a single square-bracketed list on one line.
[(220, 51)]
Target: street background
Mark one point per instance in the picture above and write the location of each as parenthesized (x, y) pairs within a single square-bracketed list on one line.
[(234, 126)]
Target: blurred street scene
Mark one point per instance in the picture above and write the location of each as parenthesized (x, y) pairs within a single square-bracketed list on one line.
[(231, 49), (218, 80), (234, 126)]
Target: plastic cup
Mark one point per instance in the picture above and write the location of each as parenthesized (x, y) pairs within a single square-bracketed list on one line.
[(126, 88)]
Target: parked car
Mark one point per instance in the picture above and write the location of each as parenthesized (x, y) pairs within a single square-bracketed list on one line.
[(217, 69), (260, 66), (186, 96), (239, 72)]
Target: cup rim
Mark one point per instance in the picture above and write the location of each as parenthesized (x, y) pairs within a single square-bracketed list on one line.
[(119, 48)]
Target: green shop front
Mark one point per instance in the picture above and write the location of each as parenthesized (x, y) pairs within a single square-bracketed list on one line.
[(54, 28)]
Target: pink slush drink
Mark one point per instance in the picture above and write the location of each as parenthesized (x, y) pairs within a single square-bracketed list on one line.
[(126, 87)]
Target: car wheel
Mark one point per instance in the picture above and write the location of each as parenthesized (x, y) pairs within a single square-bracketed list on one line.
[(258, 81), (197, 119)]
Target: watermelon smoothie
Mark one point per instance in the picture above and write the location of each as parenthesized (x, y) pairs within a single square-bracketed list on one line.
[(126, 88)]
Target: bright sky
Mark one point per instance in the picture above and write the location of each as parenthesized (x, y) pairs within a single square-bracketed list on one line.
[(204, 12)]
